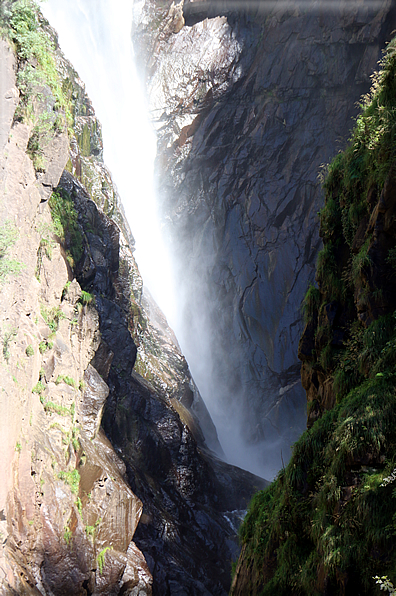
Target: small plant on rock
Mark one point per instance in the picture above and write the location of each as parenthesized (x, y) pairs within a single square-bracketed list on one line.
[(100, 559), (72, 479), (385, 584), (67, 535), (8, 336), (38, 388), (52, 316), (86, 298)]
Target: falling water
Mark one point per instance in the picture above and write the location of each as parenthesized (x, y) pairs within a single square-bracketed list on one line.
[(97, 41)]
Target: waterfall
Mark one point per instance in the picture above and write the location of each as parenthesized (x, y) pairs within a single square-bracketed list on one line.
[(97, 41)]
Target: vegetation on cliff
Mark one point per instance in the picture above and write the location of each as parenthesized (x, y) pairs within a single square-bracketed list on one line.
[(327, 524)]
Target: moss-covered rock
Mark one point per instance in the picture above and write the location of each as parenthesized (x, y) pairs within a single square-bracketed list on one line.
[(326, 525)]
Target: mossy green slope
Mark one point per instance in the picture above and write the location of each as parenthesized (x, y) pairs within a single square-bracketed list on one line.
[(327, 524)]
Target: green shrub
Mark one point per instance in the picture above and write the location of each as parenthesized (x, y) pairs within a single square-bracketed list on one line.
[(50, 406), (360, 262), (66, 379), (29, 350), (86, 298), (391, 258), (44, 249), (38, 388), (43, 346), (52, 316), (65, 219), (8, 336), (72, 479), (311, 303)]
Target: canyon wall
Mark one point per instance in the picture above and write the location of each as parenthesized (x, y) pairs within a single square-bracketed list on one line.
[(136, 506), (247, 105), (327, 523)]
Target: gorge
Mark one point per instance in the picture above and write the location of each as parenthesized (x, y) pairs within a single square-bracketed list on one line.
[(115, 478)]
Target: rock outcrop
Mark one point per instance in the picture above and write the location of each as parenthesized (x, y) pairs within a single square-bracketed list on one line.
[(326, 525), (247, 105), (82, 341), (67, 513)]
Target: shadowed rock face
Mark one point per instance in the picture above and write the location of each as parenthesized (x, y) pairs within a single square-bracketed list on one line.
[(247, 107), (81, 338), (193, 502)]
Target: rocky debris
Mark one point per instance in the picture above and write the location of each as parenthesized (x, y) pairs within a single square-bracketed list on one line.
[(247, 107)]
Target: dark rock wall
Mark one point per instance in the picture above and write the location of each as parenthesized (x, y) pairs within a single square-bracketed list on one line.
[(80, 338), (247, 107), (326, 524), (192, 502)]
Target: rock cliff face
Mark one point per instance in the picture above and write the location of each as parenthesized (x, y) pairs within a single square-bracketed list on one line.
[(247, 106), (326, 525), (80, 341)]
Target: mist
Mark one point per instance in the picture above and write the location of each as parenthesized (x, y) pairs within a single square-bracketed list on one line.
[(97, 41)]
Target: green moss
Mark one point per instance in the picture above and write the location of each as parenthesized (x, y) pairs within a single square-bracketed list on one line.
[(101, 558), (84, 141), (65, 219), (329, 514), (72, 479)]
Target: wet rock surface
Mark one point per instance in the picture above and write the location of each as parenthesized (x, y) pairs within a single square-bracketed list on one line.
[(193, 502), (79, 336), (258, 100)]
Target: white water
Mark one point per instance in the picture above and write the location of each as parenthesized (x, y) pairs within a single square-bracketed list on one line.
[(95, 35), (97, 41)]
